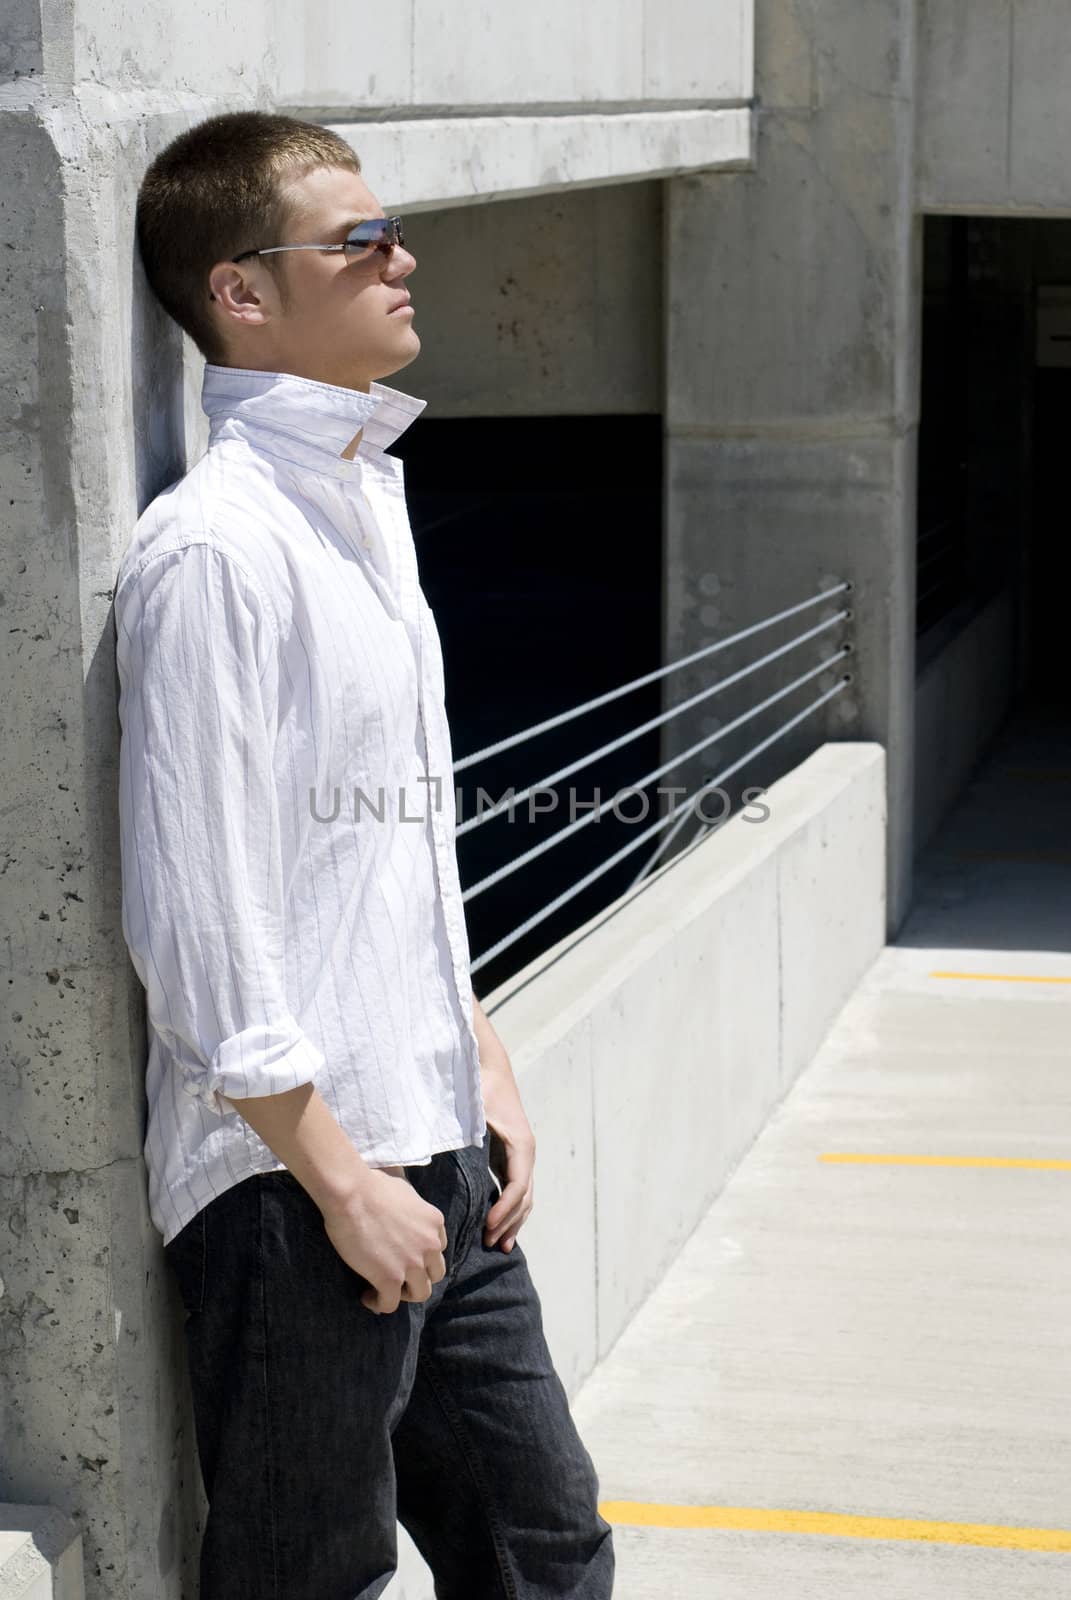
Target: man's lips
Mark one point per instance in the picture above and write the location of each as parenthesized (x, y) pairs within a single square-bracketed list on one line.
[(401, 306)]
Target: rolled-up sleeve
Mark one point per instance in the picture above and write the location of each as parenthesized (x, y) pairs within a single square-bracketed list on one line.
[(202, 875)]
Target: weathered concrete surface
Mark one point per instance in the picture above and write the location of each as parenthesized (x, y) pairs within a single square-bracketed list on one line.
[(792, 320), (358, 58), (40, 1555), (21, 52), (91, 1406), (881, 1340), (438, 162), (994, 106), (557, 313)]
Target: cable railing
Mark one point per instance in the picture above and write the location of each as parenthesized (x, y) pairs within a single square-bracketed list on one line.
[(676, 817)]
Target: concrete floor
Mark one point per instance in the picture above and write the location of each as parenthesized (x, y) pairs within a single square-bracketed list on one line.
[(884, 1340)]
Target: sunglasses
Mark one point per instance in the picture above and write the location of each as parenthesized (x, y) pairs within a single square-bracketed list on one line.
[(377, 233)]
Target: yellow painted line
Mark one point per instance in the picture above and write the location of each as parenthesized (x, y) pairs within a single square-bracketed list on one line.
[(947, 1161), (1002, 977), (758, 1519)]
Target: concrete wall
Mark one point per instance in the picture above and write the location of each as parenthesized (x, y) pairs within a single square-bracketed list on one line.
[(994, 106), (558, 311), (963, 695), (96, 418), (471, 55), (652, 1044), (358, 58), (792, 378)]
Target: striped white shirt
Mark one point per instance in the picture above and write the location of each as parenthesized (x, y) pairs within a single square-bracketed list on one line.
[(290, 894)]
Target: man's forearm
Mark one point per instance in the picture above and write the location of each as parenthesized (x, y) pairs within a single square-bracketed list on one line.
[(299, 1127), (493, 1056), (501, 1096)]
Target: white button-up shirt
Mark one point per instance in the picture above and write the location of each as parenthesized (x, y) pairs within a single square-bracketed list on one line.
[(290, 894)]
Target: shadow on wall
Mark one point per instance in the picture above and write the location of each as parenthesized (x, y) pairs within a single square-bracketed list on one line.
[(162, 444)]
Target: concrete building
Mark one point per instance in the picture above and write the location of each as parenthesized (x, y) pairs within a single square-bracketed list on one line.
[(739, 222), (794, 400)]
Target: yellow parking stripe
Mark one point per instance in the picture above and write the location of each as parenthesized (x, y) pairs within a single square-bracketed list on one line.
[(948, 1161), (1002, 977), (757, 1519)]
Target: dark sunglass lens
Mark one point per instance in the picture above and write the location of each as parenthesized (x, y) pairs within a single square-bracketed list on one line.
[(365, 234), (376, 231)]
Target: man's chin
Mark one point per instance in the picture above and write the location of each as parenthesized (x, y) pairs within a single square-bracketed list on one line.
[(400, 359)]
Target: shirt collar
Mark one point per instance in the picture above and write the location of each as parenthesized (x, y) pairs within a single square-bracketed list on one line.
[(303, 419)]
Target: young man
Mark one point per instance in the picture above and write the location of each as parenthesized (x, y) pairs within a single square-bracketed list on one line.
[(325, 1094)]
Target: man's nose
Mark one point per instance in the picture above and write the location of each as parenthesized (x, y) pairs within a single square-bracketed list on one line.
[(400, 262)]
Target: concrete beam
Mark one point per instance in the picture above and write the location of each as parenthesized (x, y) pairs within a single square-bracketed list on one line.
[(434, 163)]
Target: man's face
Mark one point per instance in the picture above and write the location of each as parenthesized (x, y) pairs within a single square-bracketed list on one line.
[(336, 319)]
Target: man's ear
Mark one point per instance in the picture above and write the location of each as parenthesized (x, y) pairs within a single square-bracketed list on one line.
[(236, 293)]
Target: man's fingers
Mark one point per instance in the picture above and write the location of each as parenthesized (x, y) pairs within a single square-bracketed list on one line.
[(509, 1211), (506, 1204), (416, 1286)]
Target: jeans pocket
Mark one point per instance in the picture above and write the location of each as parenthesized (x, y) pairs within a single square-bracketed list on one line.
[(187, 1255)]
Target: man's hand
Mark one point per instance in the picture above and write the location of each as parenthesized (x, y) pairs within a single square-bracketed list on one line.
[(392, 1237), (375, 1219), (513, 1145)]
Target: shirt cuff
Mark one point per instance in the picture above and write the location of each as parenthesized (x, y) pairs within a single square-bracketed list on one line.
[(268, 1059)]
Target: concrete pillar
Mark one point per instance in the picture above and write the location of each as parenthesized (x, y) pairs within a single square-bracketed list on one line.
[(793, 306), (93, 1417)]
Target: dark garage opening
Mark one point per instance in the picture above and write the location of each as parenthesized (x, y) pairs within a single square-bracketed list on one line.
[(540, 552), (995, 421)]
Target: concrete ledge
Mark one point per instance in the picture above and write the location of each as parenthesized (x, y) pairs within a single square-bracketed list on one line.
[(652, 1045), (433, 163), (40, 1555)]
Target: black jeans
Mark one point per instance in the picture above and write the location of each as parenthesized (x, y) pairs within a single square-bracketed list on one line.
[(321, 1424)]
